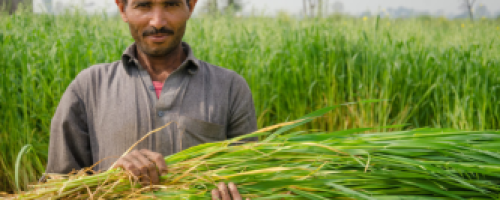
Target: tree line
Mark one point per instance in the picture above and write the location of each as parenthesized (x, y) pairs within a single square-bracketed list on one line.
[(12, 5)]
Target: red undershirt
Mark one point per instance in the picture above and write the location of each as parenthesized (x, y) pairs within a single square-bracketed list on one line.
[(158, 87)]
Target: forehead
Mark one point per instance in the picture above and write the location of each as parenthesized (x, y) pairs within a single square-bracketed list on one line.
[(156, 1)]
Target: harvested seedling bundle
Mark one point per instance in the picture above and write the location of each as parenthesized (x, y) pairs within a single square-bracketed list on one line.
[(349, 164)]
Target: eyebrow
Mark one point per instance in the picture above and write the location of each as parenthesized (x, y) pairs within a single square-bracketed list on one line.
[(173, 1), (140, 2), (150, 1)]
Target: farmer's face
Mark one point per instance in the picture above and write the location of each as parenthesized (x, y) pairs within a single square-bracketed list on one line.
[(157, 26)]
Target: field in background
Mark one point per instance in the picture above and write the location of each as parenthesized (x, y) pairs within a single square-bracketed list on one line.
[(432, 72)]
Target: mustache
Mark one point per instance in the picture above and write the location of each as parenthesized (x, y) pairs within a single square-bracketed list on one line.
[(153, 31)]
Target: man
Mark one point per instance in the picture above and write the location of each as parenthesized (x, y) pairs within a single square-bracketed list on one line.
[(109, 107)]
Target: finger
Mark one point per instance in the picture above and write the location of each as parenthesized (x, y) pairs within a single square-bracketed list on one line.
[(144, 176), (157, 158), (153, 174), (126, 165), (234, 191), (215, 194), (223, 191), (129, 166), (142, 164)]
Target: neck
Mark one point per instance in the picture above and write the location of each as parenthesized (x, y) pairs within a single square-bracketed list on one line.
[(159, 68)]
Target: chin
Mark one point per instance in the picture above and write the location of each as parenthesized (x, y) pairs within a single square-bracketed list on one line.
[(157, 52), (156, 49)]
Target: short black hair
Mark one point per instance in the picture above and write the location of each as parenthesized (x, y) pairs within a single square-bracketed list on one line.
[(125, 1)]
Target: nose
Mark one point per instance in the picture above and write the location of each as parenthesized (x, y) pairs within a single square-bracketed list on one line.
[(158, 19)]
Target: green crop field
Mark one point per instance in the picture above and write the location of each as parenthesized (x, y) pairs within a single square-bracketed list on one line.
[(430, 72)]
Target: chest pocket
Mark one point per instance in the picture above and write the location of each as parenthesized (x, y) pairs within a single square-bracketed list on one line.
[(193, 132)]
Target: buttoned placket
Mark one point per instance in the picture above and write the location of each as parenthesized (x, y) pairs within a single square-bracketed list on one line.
[(166, 108)]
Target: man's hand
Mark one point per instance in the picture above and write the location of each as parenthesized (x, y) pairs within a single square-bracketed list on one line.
[(145, 165), (222, 192)]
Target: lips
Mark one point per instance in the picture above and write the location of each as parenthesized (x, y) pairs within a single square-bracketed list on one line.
[(157, 38)]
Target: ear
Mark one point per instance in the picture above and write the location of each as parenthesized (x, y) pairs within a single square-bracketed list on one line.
[(192, 5), (121, 9)]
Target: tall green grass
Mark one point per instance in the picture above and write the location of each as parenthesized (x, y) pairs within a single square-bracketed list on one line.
[(432, 73)]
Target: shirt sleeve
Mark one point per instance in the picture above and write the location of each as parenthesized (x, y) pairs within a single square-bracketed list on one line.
[(69, 147), (241, 118)]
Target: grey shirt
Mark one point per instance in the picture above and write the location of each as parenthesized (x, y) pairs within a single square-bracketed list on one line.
[(109, 107)]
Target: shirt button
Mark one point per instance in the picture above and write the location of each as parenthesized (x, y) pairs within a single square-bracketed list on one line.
[(161, 114), (152, 87)]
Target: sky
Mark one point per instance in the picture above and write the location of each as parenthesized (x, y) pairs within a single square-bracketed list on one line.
[(359, 6), (295, 6)]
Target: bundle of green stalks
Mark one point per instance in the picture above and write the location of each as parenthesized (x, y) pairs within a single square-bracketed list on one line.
[(348, 164)]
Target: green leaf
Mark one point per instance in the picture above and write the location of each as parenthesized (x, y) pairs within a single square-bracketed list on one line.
[(320, 112), (307, 195), (433, 189), (350, 192), (23, 151), (286, 128), (325, 136)]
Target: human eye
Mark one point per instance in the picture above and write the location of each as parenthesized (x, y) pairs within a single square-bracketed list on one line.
[(143, 5), (172, 4)]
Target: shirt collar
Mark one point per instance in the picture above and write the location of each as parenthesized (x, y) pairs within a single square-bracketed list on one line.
[(191, 64)]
